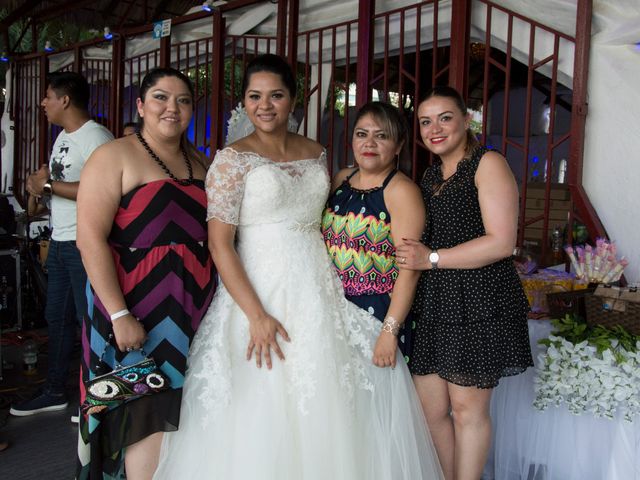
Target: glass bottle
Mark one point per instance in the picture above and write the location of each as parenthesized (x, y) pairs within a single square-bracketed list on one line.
[(30, 357)]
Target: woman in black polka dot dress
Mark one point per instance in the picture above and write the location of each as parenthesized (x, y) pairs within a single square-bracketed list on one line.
[(470, 308)]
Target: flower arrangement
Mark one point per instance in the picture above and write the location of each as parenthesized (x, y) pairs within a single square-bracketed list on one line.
[(475, 123), (590, 369)]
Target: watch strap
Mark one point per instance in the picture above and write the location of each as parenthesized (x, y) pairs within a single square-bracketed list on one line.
[(47, 188), (434, 264)]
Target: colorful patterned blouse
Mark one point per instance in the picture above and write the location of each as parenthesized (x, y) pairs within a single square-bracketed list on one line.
[(357, 232)]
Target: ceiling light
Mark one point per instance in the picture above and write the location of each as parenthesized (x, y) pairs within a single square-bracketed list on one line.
[(210, 5)]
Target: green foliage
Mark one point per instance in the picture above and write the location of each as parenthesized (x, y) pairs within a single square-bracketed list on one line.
[(233, 72), (339, 98), (57, 32), (575, 330)]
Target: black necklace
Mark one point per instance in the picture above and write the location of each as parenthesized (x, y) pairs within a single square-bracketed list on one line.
[(153, 155)]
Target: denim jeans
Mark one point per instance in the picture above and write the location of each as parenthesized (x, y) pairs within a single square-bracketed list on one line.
[(66, 305)]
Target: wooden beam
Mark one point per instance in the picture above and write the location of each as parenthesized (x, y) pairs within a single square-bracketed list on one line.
[(22, 11), (216, 139), (117, 85), (126, 15), (43, 124), (366, 12), (579, 96), (165, 51), (281, 29), (458, 55), (159, 9), (108, 11), (587, 213), (292, 48), (59, 9)]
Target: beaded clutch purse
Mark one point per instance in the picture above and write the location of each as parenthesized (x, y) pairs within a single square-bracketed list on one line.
[(123, 384)]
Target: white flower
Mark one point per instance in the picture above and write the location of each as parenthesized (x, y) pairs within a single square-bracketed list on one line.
[(585, 381)]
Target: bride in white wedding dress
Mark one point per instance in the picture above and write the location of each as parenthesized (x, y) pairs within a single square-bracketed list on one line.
[(281, 384)]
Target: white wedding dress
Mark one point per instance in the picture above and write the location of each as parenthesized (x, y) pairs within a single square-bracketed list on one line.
[(325, 412)]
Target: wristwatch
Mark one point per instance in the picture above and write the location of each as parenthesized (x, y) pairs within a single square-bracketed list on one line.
[(434, 258), (47, 188)]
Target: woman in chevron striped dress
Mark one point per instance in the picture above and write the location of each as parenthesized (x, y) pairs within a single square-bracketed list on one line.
[(142, 235)]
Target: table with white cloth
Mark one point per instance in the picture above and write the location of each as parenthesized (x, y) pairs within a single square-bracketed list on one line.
[(555, 444)]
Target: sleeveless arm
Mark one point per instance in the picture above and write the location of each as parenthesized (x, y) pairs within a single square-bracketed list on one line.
[(225, 186)]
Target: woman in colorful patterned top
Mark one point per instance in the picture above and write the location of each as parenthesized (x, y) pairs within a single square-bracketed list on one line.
[(372, 207), (143, 238)]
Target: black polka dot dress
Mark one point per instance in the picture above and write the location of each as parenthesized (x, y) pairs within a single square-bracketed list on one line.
[(471, 324)]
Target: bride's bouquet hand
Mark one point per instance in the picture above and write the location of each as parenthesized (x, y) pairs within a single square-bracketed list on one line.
[(263, 340), (384, 353)]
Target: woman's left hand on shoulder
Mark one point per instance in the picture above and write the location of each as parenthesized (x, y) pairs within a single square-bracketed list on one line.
[(412, 255)]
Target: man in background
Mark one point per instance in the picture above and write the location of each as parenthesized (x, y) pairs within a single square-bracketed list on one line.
[(66, 105), (129, 129)]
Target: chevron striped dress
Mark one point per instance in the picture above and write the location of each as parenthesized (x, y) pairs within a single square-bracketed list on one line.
[(158, 241)]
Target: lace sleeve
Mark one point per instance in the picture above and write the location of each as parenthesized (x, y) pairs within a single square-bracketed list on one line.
[(225, 186)]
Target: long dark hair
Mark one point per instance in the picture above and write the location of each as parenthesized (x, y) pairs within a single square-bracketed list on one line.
[(453, 94), (273, 64)]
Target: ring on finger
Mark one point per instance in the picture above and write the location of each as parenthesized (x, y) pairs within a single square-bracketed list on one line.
[(129, 349)]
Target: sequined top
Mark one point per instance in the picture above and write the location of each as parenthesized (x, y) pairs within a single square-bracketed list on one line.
[(357, 232)]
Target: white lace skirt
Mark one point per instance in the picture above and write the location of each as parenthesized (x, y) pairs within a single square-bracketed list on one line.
[(325, 412)]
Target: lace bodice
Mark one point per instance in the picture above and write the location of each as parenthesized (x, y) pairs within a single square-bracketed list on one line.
[(244, 188)]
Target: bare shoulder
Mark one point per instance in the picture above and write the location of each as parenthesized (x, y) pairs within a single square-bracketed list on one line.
[(492, 162), (111, 154), (242, 145), (102, 174), (305, 147), (403, 186), (494, 172), (405, 204), (339, 177)]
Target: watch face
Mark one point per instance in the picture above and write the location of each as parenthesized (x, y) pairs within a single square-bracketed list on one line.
[(434, 257)]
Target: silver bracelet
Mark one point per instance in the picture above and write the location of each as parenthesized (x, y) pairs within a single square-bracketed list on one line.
[(391, 325), (119, 314)]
